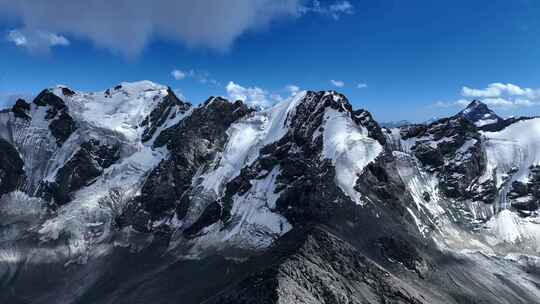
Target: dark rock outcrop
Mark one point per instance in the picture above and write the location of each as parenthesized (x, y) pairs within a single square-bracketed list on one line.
[(485, 192), (211, 215), (80, 170), (47, 99), (166, 109), (403, 252), (11, 168), (62, 127), (364, 118), (21, 109), (61, 123), (525, 197), (413, 130), (67, 92), (451, 147), (194, 143)]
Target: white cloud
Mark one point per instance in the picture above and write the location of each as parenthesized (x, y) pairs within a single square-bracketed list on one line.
[(335, 10), (362, 85), (253, 96), (200, 76), (498, 95), (338, 8), (36, 41), (17, 37), (204, 78), (504, 95), (178, 75), (524, 102), (293, 89), (451, 104), (497, 90), (498, 102), (338, 83), (128, 26)]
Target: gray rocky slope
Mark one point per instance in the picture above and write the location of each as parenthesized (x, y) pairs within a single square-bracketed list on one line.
[(131, 195)]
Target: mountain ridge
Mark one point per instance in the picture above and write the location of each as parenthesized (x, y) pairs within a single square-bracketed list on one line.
[(139, 176)]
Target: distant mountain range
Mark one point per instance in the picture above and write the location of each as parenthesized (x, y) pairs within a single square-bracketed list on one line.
[(131, 195), (394, 124)]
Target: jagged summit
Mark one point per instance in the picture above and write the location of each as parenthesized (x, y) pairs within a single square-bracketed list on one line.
[(480, 114)]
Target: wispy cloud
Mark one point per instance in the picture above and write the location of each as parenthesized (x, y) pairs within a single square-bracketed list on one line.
[(293, 89), (36, 41), (178, 75), (337, 83), (451, 104), (362, 85), (200, 76), (334, 10)]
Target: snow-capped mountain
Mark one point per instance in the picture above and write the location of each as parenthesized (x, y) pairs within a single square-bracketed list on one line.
[(130, 195), (480, 115)]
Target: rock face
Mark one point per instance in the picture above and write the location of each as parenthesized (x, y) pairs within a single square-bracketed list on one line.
[(21, 109), (525, 197), (316, 267), (61, 123), (364, 118), (81, 170), (451, 147), (306, 182), (11, 168), (130, 195), (194, 143), (161, 113)]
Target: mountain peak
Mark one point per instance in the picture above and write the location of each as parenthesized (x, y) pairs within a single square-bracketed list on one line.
[(142, 85), (476, 105), (479, 114), (121, 108)]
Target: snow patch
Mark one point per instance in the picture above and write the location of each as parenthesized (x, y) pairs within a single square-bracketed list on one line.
[(349, 148), (18, 204), (247, 137), (120, 109), (516, 146), (508, 227), (485, 122), (254, 225)]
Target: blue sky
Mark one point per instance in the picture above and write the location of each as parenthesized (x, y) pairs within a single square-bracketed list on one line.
[(398, 59)]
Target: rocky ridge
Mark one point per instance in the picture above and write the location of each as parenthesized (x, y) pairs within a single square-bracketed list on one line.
[(309, 194)]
